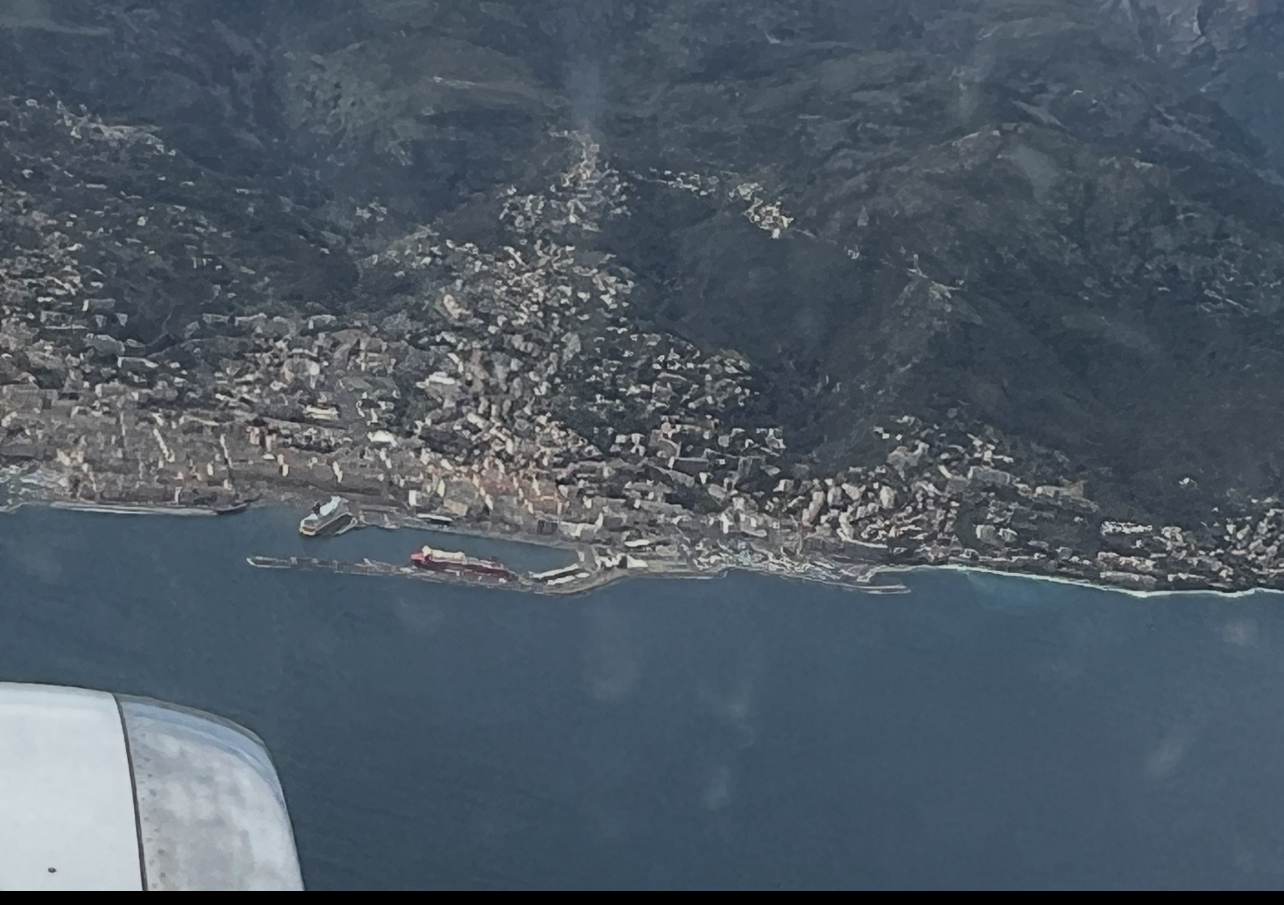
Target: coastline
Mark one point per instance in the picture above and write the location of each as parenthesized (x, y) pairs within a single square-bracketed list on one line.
[(596, 579), (990, 572), (598, 565)]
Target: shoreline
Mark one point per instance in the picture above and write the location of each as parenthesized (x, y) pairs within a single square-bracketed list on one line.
[(391, 520), (591, 558), (1079, 582)]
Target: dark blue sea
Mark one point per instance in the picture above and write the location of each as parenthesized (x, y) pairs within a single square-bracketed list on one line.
[(740, 732)]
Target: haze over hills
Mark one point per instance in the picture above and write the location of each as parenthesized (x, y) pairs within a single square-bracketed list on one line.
[(1052, 223)]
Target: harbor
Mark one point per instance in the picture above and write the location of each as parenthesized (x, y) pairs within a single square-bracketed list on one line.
[(386, 569), (568, 581), (467, 555), (584, 567)]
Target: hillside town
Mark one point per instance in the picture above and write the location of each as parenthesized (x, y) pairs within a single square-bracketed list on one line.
[(522, 398)]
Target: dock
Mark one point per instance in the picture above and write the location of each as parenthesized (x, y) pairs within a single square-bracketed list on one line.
[(567, 581), (130, 508)]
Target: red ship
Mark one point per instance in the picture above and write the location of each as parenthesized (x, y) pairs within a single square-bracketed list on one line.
[(453, 561)]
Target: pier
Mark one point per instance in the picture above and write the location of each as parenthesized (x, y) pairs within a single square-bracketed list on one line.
[(568, 581)]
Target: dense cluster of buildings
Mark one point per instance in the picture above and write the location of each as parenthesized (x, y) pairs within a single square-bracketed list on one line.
[(522, 396)]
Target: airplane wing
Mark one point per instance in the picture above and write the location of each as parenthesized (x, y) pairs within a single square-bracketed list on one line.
[(104, 791)]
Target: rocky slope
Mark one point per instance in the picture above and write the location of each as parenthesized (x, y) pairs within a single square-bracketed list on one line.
[(1050, 222)]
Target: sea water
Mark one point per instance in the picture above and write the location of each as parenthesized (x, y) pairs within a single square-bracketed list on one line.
[(738, 732)]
